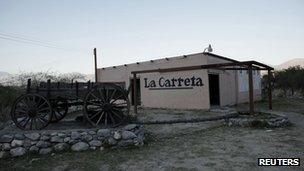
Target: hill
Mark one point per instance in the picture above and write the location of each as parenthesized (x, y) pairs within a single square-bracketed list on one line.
[(290, 63)]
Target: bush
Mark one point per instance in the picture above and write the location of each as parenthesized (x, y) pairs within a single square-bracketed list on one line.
[(287, 80), (8, 94)]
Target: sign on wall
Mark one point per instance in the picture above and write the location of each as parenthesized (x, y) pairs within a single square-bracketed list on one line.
[(173, 83)]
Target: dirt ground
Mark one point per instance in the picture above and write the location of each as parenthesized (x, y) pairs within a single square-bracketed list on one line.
[(199, 146)]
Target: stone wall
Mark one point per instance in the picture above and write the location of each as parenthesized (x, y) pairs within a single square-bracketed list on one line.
[(13, 145)]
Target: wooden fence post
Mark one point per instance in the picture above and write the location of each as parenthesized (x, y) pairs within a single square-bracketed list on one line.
[(48, 88), (28, 86)]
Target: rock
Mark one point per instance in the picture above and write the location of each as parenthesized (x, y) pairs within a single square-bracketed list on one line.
[(130, 127), (33, 142), (34, 149), (80, 146), (61, 135), (61, 147), (112, 141), (101, 148), (104, 132), (87, 138), (17, 143), (27, 143), (117, 135), (125, 143), (62, 168), (84, 133), (54, 134), (66, 139), (45, 151), (4, 154), (73, 141), (19, 151), (75, 135), (19, 136), (43, 144), (6, 138), (128, 135), (44, 138), (140, 134), (101, 138), (56, 139), (6, 146), (93, 148), (33, 136), (138, 142), (92, 132), (95, 143)]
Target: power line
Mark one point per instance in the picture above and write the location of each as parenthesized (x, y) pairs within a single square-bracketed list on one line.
[(26, 39), (19, 39)]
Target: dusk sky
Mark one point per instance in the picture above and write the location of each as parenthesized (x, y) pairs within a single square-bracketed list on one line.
[(59, 35)]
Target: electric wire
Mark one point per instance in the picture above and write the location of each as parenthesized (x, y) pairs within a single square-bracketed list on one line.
[(13, 37)]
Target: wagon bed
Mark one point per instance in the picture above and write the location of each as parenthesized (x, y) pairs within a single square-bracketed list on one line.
[(103, 103)]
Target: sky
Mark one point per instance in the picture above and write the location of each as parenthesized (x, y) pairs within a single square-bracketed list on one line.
[(59, 35)]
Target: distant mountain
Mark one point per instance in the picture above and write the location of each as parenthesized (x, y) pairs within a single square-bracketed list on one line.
[(290, 63), (4, 74)]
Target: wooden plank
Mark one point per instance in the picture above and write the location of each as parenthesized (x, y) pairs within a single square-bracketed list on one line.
[(95, 60), (48, 88), (77, 93), (28, 86)]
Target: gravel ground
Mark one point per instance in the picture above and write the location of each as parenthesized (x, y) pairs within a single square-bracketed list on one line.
[(199, 146)]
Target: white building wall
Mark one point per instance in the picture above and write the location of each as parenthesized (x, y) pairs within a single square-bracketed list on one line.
[(232, 84)]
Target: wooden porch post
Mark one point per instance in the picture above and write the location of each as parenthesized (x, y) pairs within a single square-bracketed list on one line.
[(135, 93), (95, 60), (269, 90), (251, 105)]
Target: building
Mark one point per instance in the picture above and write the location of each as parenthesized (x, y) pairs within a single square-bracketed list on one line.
[(185, 89)]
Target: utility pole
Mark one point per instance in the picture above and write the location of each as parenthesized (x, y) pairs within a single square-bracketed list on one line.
[(95, 59)]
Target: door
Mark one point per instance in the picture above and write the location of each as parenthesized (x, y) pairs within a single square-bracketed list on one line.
[(214, 89)]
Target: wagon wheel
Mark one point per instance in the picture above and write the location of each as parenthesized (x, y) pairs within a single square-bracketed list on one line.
[(107, 104), (60, 109), (31, 111)]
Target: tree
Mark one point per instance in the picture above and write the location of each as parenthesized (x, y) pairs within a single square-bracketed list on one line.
[(291, 79)]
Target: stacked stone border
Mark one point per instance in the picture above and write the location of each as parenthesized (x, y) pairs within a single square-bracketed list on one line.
[(268, 120), (19, 144)]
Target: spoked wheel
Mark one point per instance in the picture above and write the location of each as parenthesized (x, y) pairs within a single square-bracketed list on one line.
[(60, 110), (31, 111), (107, 105)]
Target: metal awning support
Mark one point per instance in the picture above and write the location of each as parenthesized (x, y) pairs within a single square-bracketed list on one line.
[(235, 65)]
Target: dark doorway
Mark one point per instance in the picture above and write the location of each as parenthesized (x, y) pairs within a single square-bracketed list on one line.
[(214, 89), (137, 91)]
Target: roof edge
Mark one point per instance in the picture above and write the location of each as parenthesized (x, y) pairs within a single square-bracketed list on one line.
[(204, 53)]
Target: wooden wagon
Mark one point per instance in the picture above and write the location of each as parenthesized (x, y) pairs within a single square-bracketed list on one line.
[(104, 104)]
